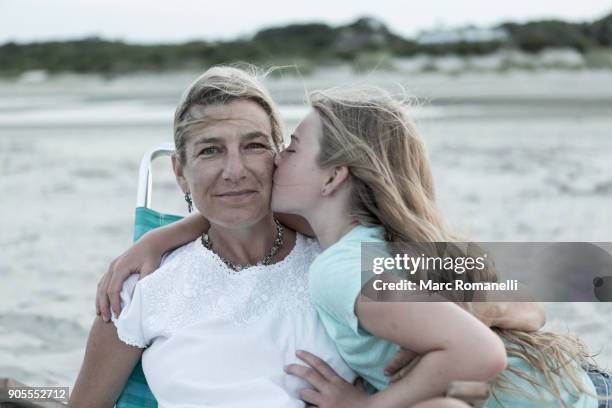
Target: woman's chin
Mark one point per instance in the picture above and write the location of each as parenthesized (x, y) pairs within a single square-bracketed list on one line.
[(238, 219)]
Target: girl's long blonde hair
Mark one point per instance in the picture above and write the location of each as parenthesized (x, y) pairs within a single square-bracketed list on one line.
[(391, 185)]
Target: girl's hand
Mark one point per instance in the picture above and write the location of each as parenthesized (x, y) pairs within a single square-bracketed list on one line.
[(525, 316), (142, 258), (515, 311), (403, 361), (329, 389)]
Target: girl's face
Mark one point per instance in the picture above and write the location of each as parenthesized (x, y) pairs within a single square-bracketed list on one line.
[(298, 179)]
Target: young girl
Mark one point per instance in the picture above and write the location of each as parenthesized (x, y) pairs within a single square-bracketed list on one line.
[(357, 170)]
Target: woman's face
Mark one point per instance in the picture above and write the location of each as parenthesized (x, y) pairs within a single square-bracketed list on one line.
[(229, 164), (298, 179)]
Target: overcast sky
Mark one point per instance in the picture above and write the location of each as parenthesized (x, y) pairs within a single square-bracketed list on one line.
[(151, 21)]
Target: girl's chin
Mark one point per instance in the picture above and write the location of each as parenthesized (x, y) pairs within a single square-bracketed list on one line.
[(280, 205), (276, 207), (284, 201)]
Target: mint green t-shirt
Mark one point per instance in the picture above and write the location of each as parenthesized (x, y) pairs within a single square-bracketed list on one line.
[(335, 283)]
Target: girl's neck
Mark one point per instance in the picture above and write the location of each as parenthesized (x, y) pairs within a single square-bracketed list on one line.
[(330, 222), (245, 246)]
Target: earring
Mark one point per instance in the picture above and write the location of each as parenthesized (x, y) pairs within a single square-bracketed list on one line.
[(323, 191), (189, 202)]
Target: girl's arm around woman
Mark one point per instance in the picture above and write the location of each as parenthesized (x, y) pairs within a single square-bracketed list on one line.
[(453, 345)]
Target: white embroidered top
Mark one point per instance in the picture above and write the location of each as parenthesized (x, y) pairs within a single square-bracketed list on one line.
[(216, 338)]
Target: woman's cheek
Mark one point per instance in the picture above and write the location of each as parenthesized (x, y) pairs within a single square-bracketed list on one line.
[(270, 170), (259, 166)]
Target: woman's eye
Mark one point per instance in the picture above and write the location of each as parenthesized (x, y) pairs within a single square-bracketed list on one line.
[(256, 146), (209, 151)]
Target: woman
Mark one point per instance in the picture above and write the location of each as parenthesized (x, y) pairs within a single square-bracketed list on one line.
[(219, 319), (224, 313)]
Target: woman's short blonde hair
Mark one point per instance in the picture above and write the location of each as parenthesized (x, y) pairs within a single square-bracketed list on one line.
[(222, 85)]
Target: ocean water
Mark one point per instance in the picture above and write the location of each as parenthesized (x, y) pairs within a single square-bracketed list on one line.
[(516, 157)]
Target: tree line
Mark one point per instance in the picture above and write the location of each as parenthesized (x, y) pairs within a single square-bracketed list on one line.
[(295, 43)]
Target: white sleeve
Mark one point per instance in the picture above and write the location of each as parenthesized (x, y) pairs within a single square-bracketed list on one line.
[(129, 323)]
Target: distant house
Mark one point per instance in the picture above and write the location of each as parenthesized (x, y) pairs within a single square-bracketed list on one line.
[(466, 34)]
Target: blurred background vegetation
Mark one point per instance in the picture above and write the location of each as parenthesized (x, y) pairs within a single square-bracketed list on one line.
[(365, 44)]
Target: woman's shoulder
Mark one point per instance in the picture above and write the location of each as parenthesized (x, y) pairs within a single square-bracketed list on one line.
[(306, 246), (174, 264), (154, 303)]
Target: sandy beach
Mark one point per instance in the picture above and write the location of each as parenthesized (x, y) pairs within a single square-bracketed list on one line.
[(520, 156)]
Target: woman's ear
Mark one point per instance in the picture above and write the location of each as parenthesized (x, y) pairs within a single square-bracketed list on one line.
[(178, 173), (337, 178)]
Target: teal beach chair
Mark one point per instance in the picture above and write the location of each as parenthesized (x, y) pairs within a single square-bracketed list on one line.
[(137, 393)]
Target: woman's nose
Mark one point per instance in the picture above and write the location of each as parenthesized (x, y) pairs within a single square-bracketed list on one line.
[(277, 158), (234, 169)]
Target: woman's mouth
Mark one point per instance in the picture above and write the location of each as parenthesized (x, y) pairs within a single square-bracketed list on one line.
[(238, 195)]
